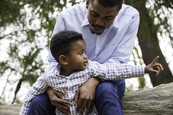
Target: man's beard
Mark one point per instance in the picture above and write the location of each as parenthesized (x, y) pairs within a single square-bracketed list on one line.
[(94, 32), (96, 27)]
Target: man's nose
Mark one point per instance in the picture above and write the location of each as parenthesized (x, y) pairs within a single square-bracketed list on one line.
[(100, 22)]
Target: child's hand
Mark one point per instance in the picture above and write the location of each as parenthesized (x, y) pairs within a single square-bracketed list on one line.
[(154, 67)]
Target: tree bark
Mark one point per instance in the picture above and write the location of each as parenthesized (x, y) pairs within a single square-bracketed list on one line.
[(152, 101), (148, 41)]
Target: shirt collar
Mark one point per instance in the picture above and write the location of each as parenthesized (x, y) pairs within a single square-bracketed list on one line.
[(58, 70), (85, 21), (115, 23)]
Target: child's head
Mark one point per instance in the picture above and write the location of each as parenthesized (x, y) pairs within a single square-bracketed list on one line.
[(68, 48)]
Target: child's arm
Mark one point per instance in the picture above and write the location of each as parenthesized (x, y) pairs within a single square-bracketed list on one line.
[(112, 71)]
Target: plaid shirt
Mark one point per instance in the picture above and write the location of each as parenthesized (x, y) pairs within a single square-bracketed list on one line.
[(68, 85)]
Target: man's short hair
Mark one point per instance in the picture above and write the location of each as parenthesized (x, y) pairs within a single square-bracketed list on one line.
[(61, 43), (110, 3)]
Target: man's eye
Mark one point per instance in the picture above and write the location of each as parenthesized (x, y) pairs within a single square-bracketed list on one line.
[(108, 18), (94, 14)]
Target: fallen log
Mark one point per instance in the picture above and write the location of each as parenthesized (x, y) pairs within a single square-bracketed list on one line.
[(10, 109), (152, 101)]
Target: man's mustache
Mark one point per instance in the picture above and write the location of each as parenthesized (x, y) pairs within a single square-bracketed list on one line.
[(97, 26)]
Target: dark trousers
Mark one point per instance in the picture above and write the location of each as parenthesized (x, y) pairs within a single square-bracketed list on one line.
[(107, 100)]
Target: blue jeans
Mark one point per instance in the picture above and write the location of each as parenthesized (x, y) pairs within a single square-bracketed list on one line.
[(107, 100), (108, 97), (41, 105)]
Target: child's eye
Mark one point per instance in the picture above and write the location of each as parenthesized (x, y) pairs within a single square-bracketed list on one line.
[(81, 52)]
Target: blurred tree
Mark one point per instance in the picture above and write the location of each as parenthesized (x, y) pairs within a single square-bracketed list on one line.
[(149, 30)]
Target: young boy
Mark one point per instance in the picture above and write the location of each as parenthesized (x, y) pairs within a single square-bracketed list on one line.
[(68, 48)]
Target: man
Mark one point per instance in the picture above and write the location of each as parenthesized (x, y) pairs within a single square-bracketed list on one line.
[(109, 30)]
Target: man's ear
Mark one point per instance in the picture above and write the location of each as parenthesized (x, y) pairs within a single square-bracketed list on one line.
[(63, 60), (87, 3)]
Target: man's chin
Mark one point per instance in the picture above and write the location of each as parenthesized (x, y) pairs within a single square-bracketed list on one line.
[(98, 33)]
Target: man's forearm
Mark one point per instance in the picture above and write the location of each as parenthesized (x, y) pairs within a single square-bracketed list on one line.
[(94, 81)]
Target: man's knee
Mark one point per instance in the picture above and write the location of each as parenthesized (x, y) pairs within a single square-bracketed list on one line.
[(41, 105), (41, 100), (116, 87), (106, 88), (107, 99)]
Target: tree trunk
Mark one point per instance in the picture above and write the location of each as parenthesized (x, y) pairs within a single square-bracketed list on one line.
[(153, 101), (148, 41)]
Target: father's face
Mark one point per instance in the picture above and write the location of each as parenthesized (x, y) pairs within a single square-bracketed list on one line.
[(100, 17)]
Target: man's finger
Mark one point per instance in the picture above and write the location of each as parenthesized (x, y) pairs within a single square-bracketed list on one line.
[(76, 96), (79, 104), (83, 107), (58, 94), (89, 107), (63, 107), (66, 112), (155, 60), (62, 101)]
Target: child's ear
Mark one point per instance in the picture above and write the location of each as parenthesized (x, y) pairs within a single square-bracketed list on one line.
[(63, 59)]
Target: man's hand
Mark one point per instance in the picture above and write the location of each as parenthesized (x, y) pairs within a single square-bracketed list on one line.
[(154, 67), (84, 96), (57, 99)]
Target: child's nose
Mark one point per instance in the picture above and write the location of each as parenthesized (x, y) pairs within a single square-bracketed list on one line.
[(85, 56)]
